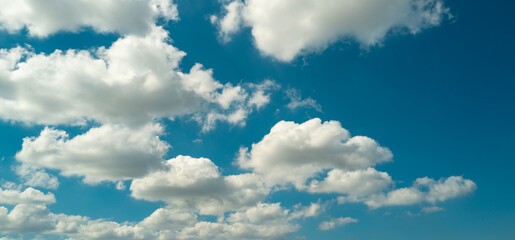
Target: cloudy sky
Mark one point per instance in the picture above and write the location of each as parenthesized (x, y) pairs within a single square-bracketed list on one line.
[(256, 119)]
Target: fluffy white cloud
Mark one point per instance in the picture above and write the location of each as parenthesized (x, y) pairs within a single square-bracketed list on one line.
[(108, 152), (27, 196), (285, 29), (36, 177), (42, 18), (232, 21), (424, 190), (196, 184), (305, 150), (134, 81), (313, 210), (30, 218), (354, 183), (169, 219), (263, 221), (338, 222), (25, 218)]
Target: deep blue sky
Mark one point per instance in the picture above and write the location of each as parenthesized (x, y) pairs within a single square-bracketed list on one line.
[(443, 101)]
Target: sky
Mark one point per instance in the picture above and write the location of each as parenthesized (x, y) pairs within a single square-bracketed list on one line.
[(257, 119)]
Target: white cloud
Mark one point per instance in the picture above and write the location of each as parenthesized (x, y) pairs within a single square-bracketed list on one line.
[(43, 18), (263, 221), (29, 218), (36, 177), (305, 150), (288, 28), (132, 82), (232, 20), (25, 218), (424, 190), (296, 100), (196, 184), (108, 152), (354, 183), (27, 196), (169, 219), (338, 222), (313, 210)]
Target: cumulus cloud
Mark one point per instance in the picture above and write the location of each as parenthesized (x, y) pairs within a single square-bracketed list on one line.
[(25, 218), (261, 221), (305, 150), (313, 210), (289, 28), (109, 152), (196, 184), (424, 190), (338, 222), (354, 183), (232, 20), (27, 196), (30, 218), (36, 177), (134, 81), (43, 18)]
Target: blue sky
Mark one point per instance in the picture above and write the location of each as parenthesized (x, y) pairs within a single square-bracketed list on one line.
[(127, 137)]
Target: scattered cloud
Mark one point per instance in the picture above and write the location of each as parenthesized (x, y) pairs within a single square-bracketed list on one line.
[(296, 100), (334, 223), (42, 19), (36, 177), (290, 28), (431, 209), (424, 190)]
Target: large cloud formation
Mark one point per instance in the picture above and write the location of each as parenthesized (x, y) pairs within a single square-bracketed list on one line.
[(134, 81), (285, 29), (305, 150), (322, 157), (42, 18), (260, 221)]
